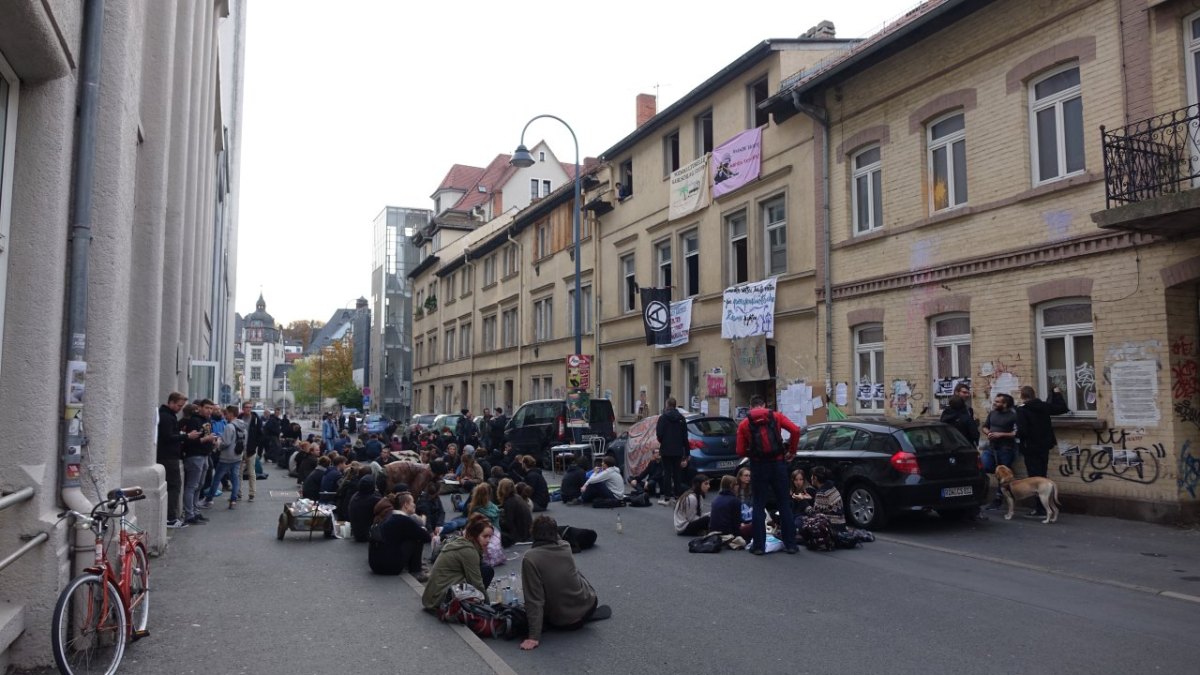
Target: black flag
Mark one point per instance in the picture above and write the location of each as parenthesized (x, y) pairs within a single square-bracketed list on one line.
[(656, 315)]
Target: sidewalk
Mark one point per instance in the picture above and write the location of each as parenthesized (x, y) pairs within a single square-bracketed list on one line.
[(1148, 557)]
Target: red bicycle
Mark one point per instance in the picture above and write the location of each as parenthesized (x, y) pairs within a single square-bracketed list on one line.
[(103, 608)]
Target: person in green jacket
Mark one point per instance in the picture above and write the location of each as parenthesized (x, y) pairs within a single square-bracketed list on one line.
[(482, 502), (556, 594), (461, 562)]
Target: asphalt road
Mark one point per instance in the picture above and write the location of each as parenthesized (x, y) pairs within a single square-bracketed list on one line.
[(229, 598)]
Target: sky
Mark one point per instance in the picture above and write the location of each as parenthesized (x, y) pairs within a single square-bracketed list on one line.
[(356, 105)]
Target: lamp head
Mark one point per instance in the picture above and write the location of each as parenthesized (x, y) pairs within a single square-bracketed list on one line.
[(521, 157)]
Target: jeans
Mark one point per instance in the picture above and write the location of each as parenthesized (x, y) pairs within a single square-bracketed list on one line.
[(174, 486), (193, 472), (453, 525), (595, 491), (772, 476), (1036, 461), (234, 471)]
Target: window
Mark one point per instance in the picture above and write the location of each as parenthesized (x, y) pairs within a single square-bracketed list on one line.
[(703, 124), (662, 377), (433, 350), (690, 385), (541, 155), (948, 162), (629, 287), (541, 243), (868, 368), (756, 92), (868, 190), (465, 341), (670, 152), (448, 397), (585, 307), (543, 387), (255, 392), (418, 400), (629, 399), (625, 187), (419, 354), (1065, 355), (450, 345), (510, 260), (256, 373), (950, 337), (662, 254), (690, 243), (487, 395), (489, 333), (508, 327), (9, 90), (1191, 35), (467, 280), (256, 354), (489, 270), (448, 288), (543, 319), (774, 221), (545, 188), (1056, 123), (739, 262), (533, 188)]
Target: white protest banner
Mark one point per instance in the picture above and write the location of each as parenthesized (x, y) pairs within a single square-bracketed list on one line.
[(689, 188), (681, 323), (748, 310)]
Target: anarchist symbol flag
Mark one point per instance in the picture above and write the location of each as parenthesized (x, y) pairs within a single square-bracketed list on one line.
[(656, 315)]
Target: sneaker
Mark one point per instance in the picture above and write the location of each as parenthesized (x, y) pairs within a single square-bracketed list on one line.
[(251, 498), (791, 550), (662, 501), (194, 520), (422, 577), (177, 524), (232, 503), (205, 505), (757, 551), (200, 517), (456, 502), (574, 502), (216, 494)]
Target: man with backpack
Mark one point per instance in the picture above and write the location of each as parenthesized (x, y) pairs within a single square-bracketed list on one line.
[(759, 439), (466, 430), (232, 448), (671, 431)]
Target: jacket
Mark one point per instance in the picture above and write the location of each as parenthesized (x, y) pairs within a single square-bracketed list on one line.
[(572, 483), (195, 447), (312, 484), (492, 512), (254, 433), (457, 563), (828, 502), (726, 515), (653, 471), (759, 416), (1034, 429), (555, 592), (169, 437), (434, 512), (689, 508), (329, 482), (610, 478), (362, 508), (229, 437), (386, 557), (516, 520), (963, 420), (541, 491), (671, 431)]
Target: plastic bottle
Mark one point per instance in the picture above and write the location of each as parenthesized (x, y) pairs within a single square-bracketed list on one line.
[(620, 526)]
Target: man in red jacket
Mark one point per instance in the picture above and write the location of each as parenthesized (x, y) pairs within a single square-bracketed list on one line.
[(760, 439)]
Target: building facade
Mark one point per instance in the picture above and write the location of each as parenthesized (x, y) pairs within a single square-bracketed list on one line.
[(151, 168), (390, 343), (263, 345)]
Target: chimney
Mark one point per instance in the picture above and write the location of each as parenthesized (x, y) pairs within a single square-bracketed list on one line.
[(821, 31), (647, 107)]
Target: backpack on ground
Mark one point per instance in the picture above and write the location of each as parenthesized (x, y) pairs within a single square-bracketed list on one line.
[(484, 620), (580, 538), (709, 543), (606, 503), (765, 441), (638, 499)]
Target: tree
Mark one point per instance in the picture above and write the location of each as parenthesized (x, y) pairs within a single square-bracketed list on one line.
[(328, 374), (302, 331)]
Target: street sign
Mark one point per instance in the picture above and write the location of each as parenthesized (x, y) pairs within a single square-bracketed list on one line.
[(366, 391), (366, 400)]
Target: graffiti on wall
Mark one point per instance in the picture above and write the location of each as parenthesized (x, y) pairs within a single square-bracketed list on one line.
[(1116, 454), (1000, 376), (904, 399), (1189, 470), (1185, 373)]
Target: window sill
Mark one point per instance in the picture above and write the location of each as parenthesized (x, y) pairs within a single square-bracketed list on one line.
[(508, 276), (1078, 422)]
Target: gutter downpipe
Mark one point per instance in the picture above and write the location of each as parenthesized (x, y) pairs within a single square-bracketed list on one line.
[(821, 117), (520, 388), (83, 177)]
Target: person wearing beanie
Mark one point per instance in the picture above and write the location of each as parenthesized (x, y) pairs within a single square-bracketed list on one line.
[(556, 593)]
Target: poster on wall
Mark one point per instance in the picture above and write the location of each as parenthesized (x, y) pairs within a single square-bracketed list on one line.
[(579, 371), (749, 309), (1135, 393), (736, 162), (681, 324), (715, 383), (689, 188)]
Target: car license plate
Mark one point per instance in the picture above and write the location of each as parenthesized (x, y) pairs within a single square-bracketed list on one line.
[(726, 465), (965, 491)]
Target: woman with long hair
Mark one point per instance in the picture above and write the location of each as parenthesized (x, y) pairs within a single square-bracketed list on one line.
[(461, 561), (481, 502), (516, 519), (690, 519)]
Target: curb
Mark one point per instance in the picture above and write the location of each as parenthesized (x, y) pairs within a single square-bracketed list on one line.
[(1042, 568), (490, 657)]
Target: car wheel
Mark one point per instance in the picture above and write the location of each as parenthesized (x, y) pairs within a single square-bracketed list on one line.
[(864, 508), (970, 513)]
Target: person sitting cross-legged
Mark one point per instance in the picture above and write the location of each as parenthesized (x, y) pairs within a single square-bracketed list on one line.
[(556, 594), (606, 483)]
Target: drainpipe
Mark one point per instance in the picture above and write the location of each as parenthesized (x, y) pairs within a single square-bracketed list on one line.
[(519, 393), (72, 464), (467, 263), (821, 117)]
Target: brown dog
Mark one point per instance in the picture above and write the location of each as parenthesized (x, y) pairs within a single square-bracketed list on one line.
[(1043, 488)]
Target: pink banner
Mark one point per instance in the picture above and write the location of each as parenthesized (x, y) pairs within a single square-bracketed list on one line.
[(736, 162)]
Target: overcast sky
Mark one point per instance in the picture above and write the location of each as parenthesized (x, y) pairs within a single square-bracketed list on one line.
[(356, 105)]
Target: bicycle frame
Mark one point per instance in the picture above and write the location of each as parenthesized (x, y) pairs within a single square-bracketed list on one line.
[(129, 538)]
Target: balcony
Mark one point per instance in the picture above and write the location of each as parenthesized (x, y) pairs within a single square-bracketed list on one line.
[(1150, 170)]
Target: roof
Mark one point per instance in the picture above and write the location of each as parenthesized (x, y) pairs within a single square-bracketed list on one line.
[(460, 177), (491, 178), (333, 329), (916, 25), (425, 264), (281, 368)]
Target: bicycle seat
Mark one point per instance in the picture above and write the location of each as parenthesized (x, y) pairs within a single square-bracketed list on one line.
[(132, 493)]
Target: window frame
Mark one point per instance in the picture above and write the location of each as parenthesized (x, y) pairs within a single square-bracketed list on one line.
[(1191, 47), (448, 344), (954, 342), (489, 323), (1055, 100), (489, 270), (466, 340), (663, 382), (752, 109), (543, 319), (672, 155), (691, 282), (10, 108), (1067, 333), (874, 349), (663, 262), (946, 142), (628, 281), (768, 228), (868, 172), (625, 173), (546, 187), (534, 186), (731, 243), (689, 381), (510, 331), (702, 124), (587, 323), (627, 379)]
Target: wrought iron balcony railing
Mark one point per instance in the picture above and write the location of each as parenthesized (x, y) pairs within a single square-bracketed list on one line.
[(1152, 158)]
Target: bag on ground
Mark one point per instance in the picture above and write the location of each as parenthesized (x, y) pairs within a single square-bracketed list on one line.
[(709, 543)]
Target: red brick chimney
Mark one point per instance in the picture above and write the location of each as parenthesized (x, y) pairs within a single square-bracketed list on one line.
[(647, 107)]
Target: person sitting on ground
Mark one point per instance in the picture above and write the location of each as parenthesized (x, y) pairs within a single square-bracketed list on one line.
[(604, 484), (306, 461), (341, 443), (347, 486), (451, 457), (312, 484), (515, 515), (726, 514), (362, 508), (745, 496), (526, 493), (650, 479), (461, 561), (690, 519), (572, 481), (429, 505), (481, 502), (556, 594), (470, 473), (372, 448), (331, 479), (401, 538), (509, 456), (534, 479), (497, 474), (827, 501), (802, 494)]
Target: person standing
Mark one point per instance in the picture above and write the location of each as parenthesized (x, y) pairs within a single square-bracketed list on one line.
[(229, 460), (255, 442), (328, 429), (1036, 433), (352, 424), (759, 438), (195, 450), (499, 421), (671, 430), (1001, 429), (556, 594), (170, 455), (959, 414)]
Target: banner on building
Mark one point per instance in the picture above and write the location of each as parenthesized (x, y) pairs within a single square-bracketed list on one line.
[(689, 188), (656, 315), (715, 384), (748, 310), (750, 359), (579, 371), (736, 162), (681, 324)]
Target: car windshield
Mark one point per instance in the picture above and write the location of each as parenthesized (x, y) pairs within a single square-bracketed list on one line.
[(935, 439), (426, 420), (374, 418), (713, 426)]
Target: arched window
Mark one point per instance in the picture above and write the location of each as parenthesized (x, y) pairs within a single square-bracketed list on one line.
[(868, 367), (1066, 358)]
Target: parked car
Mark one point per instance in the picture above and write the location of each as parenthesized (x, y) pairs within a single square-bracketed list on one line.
[(712, 443), (424, 421), (537, 426), (884, 468), (376, 423), (445, 421)]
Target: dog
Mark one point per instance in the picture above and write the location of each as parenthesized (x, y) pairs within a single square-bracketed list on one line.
[(1043, 488)]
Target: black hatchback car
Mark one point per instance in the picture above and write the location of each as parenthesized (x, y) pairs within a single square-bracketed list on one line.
[(885, 467)]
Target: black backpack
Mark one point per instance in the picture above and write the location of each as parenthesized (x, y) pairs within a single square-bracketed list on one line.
[(774, 448), (239, 445)]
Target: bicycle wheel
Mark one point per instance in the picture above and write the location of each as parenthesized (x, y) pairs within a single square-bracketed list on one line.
[(139, 590), (88, 633)]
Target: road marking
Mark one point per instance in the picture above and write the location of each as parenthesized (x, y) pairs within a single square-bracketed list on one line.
[(1042, 568), (490, 657)]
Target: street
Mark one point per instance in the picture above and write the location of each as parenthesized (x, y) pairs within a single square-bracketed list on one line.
[(1084, 595)]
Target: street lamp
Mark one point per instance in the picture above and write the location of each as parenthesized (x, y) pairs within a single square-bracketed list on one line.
[(522, 158)]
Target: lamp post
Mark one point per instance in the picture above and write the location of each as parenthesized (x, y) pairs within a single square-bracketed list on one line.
[(522, 158)]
